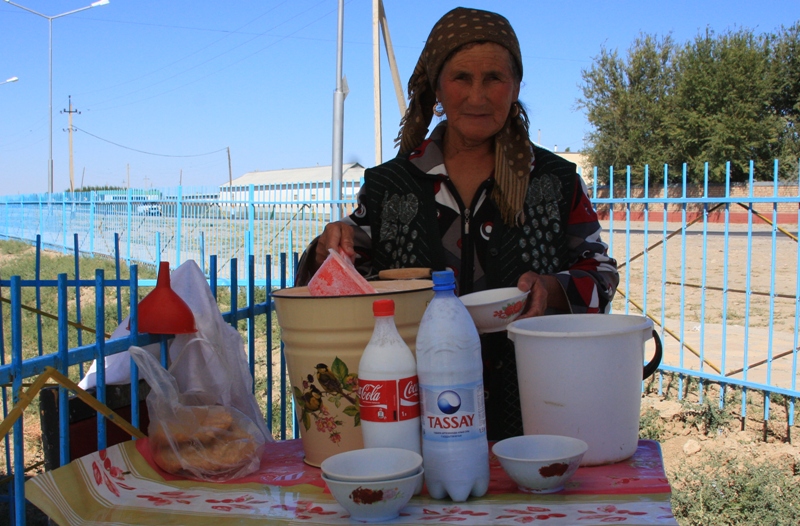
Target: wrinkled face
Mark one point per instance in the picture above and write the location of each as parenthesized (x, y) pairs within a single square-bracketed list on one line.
[(476, 87)]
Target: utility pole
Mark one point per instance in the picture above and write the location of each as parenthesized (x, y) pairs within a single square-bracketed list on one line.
[(230, 172), (70, 111)]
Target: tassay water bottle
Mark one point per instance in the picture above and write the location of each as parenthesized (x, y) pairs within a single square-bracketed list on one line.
[(455, 450), (388, 388)]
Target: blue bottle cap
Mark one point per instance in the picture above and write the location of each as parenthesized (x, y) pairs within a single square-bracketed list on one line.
[(444, 280)]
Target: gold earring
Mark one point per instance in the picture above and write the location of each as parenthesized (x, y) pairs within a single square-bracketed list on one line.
[(438, 109), (514, 109)]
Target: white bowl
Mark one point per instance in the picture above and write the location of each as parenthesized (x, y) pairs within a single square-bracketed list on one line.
[(540, 463), (374, 501), (493, 309), (372, 464)]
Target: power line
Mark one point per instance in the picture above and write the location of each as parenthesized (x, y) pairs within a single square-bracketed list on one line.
[(148, 153)]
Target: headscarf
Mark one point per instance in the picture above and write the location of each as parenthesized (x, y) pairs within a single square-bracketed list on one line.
[(513, 153)]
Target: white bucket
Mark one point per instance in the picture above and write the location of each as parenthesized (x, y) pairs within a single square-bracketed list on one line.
[(580, 375)]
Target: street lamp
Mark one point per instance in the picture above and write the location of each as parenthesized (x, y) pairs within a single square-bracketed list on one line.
[(50, 21), (12, 79)]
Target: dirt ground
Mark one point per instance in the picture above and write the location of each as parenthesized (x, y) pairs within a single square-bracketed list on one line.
[(683, 443), (750, 279)]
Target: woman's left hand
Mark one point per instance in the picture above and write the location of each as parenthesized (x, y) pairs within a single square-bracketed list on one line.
[(545, 292)]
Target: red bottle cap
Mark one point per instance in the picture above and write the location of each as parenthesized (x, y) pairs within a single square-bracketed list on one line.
[(383, 308)]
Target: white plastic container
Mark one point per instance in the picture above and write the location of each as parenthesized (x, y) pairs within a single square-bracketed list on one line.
[(580, 375), (455, 450), (388, 388)]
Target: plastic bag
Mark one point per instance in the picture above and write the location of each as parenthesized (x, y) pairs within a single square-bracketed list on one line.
[(190, 434)]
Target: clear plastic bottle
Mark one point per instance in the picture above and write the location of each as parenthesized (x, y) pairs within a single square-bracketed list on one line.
[(388, 388), (455, 450)]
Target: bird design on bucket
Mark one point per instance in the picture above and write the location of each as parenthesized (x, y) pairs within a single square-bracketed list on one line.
[(326, 395)]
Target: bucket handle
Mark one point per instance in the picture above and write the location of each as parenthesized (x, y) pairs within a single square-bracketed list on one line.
[(653, 364)]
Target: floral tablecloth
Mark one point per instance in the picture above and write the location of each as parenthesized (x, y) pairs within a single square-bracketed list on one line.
[(122, 486)]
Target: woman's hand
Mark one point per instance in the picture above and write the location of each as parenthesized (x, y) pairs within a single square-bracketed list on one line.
[(338, 236), (545, 292)]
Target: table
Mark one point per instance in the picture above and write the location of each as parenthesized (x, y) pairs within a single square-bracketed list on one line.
[(121, 486)]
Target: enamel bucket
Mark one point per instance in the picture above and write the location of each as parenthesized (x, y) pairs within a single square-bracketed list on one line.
[(580, 375), (324, 338)]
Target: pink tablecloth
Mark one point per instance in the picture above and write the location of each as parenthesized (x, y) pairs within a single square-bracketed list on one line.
[(121, 486)]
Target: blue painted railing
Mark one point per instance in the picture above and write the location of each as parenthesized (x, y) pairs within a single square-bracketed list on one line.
[(715, 266), (66, 360)]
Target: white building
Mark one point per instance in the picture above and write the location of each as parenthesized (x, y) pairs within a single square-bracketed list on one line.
[(296, 184), (290, 191)]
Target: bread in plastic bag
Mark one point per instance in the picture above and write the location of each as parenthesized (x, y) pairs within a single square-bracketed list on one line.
[(192, 436)]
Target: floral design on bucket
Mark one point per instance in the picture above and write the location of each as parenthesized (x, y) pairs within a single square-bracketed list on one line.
[(334, 385), (509, 310)]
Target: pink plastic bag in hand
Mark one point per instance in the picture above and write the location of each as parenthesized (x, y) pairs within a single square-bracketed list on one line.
[(338, 277)]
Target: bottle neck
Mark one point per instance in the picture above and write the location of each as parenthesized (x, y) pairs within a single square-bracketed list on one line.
[(384, 320), (444, 292)]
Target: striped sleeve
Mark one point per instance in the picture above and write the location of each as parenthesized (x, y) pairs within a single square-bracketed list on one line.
[(591, 278)]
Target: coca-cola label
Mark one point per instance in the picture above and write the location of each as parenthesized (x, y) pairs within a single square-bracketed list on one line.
[(408, 389), (453, 413), (388, 400)]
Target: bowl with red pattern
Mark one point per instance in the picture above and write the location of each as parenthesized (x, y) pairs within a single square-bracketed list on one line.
[(492, 310), (376, 500), (540, 463)]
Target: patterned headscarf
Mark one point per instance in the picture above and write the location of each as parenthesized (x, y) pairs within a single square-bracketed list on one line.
[(513, 153)]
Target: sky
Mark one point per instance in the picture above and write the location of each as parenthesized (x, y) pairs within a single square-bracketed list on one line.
[(164, 89)]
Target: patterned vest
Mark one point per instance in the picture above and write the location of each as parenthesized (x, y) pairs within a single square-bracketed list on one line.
[(406, 234)]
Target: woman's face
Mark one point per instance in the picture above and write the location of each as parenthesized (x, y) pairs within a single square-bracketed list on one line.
[(476, 88)]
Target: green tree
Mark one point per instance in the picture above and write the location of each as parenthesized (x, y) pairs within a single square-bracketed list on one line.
[(784, 53), (720, 97), (628, 103), (721, 106)]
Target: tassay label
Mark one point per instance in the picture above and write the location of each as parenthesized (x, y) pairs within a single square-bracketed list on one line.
[(389, 400), (453, 413)]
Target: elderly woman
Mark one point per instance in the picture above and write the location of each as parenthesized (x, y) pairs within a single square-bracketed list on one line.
[(477, 197)]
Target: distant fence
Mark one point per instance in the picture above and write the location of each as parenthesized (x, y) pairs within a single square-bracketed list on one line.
[(176, 224)]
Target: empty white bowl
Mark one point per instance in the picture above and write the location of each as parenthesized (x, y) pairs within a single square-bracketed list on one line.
[(372, 464), (374, 501), (493, 309), (540, 463)]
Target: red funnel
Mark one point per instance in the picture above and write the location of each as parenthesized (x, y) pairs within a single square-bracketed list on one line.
[(164, 312)]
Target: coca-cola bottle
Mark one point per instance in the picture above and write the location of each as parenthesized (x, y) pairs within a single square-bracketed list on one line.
[(388, 389)]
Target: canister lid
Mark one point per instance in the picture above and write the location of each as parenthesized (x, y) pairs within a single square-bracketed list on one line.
[(383, 308)]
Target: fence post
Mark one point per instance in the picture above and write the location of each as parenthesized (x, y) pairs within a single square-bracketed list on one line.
[(64, 223), (63, 368), (130, 225), (92, 197), (202, 252), (178, 224), (41, 216), (251, 207), (100, 351), (16, 359)]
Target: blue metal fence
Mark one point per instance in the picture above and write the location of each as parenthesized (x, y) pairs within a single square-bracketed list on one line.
[(715, 266), (176, 224), (26, 363)]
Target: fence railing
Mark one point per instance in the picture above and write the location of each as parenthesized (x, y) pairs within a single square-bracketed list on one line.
[(21, 358), (176, 224), (715, 268)]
